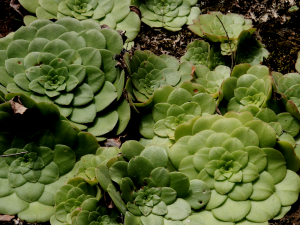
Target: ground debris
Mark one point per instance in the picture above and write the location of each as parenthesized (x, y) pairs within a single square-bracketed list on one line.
[(17, 106), (16, 6), (6, 218)]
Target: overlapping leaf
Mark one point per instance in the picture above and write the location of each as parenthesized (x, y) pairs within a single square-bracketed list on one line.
[(212, 80), (90, 162)]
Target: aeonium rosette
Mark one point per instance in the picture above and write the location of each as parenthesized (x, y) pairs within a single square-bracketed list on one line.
[(145, 191), (247, 86), (69, 63), (148, 72), (90, 162), (201, 53), (242, 162), (40, 152), (173, 107), (288, 87), (81, 203), (114, 13), (169, 14)]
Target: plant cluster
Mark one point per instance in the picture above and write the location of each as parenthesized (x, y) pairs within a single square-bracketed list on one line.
[(114, 13), (40, 152), (219, 145), (69, 63)]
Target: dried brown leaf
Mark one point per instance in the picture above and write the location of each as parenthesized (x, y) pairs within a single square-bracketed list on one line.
[(6, 218), (17, 106), (113, 142), (16, 6), (136, 10)]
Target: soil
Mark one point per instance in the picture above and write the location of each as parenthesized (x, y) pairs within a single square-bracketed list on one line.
[(277, 28), (10, 20)]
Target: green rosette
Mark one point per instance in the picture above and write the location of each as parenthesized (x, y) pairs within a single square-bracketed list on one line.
[(199, 52), (149, 72), (169, 14), (69, 63), (172, 107), (288, 87), (41, 150), (247, 86), (243, 163), (114, 13), (80, 203), (90, 162), (145, 190)]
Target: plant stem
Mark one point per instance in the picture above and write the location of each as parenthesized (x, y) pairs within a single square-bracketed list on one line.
[(21, 153), (228, 41)]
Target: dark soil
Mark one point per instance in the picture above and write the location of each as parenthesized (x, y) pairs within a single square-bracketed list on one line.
[(277, 28), (291, 218), (10, 20)]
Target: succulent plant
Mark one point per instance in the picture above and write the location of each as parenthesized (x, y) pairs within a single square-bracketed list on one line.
[(209, 26), (169, 14), (78, 203), (240, 159), (95, 216), (146, 192), (247, 86), (173, 107), (197, 53), (288, 87), (114, 13), (285, 125), (234, 32), (149, 72), (69, 63), (212, 80), (40, 150), (200, 53), (90, 162)]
